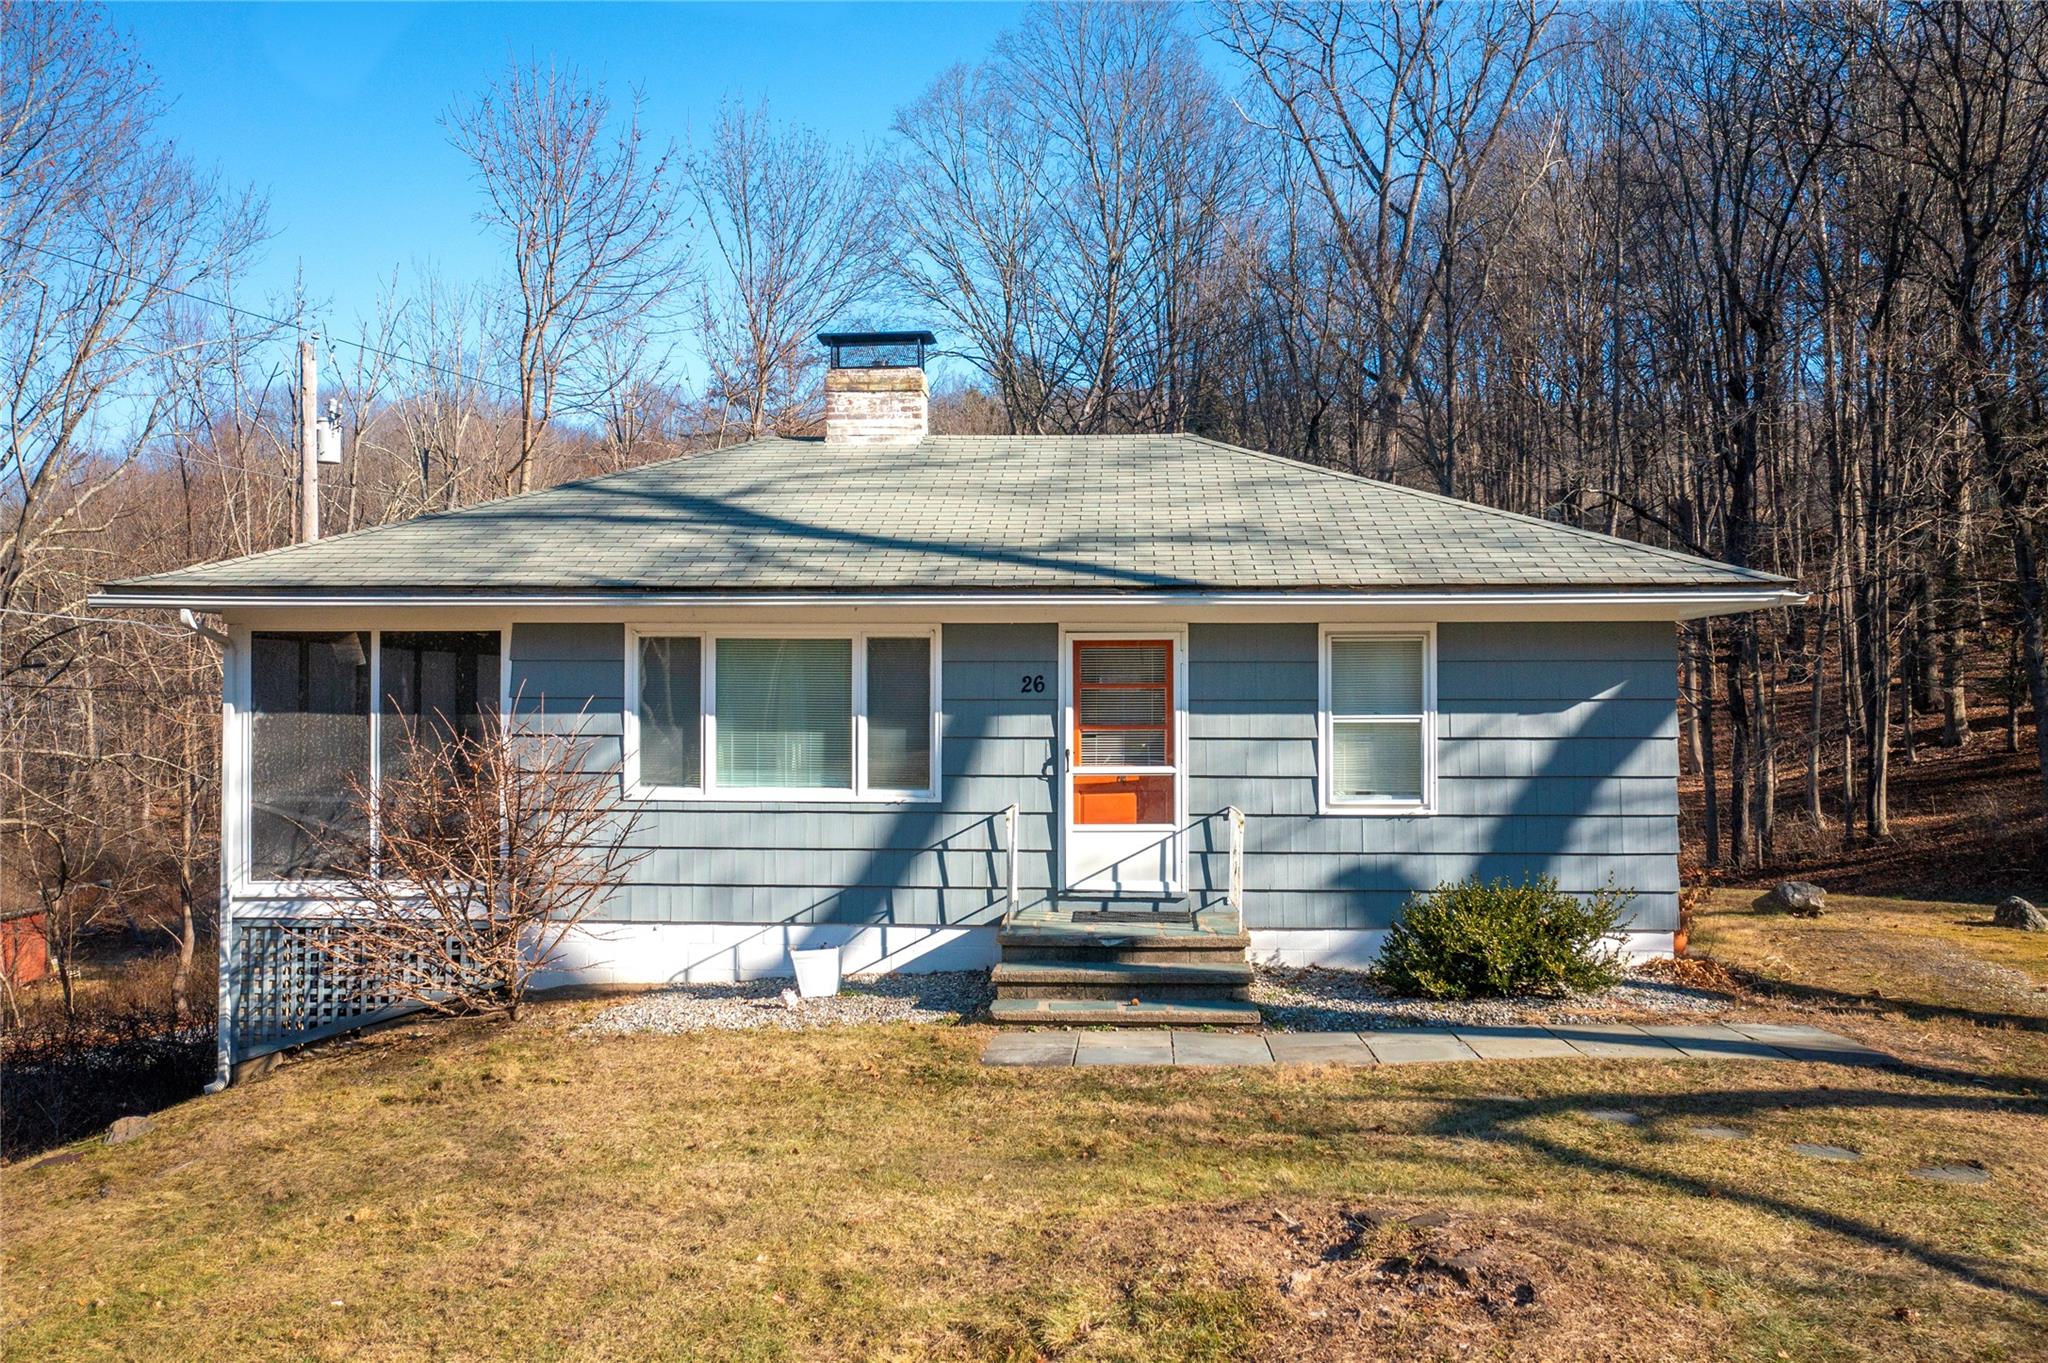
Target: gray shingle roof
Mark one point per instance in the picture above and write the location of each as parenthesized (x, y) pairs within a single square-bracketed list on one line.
[(962, 513)]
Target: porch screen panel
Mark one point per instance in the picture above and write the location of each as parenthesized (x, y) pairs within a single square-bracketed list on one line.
[(900, 714), (439, 685), (1376, 719), (785, 713), (671, 712), (309, 738)]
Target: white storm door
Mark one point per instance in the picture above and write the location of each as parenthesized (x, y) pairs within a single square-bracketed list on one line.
[(1123, 777)]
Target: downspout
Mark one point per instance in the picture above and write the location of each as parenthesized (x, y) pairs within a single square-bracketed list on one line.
[(223, 1061)]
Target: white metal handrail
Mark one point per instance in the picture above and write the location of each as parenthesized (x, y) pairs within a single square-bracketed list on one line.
[(1010, 846), (1235, 895)]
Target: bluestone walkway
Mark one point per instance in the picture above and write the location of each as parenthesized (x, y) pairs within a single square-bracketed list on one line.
[(1417, 1045)]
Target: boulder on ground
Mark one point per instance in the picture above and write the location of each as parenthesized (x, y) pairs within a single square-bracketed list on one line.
[(1799, 898), (2014, 912), (126, 1129)]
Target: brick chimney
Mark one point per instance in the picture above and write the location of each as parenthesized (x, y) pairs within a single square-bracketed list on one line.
[(875, 391)]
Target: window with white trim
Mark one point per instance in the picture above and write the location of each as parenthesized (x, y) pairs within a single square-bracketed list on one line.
[(795, 716), (1378, 720), (315, 740)]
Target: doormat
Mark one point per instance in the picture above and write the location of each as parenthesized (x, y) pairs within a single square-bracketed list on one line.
[(1133, 916)]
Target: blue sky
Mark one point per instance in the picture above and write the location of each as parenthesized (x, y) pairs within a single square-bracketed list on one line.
[(331, 110)]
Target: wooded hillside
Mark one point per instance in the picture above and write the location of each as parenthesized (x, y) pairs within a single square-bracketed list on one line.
[(1764, 282)]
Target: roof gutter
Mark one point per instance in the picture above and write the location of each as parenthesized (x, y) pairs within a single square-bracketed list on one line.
[(1762, 597)]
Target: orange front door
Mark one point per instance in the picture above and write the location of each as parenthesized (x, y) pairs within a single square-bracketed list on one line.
[(1123, 776)]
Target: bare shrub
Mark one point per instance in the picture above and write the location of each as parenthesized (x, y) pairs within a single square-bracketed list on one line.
[(488, 849)]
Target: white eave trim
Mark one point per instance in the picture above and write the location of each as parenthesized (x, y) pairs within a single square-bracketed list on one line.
[(1646, 604)]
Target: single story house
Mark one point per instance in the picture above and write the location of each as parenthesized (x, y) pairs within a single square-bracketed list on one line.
[(921, 697)]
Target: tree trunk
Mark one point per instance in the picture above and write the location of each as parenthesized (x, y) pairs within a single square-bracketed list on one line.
[(1709, 760), (1815, 659), (1741, 721), (181, 978), (2013, 677)]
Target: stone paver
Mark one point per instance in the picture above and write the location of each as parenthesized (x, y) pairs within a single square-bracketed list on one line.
[(1319, 1048), (1712, 1041), (1123, 1048), (1615, 1041), (1418, 1045), (1615, 1116), (1220, 1048), (1802, 1042), (1841, 1153), (1423, 1045), (1030, 1048), (1714, 1131), (1513, 1043), (1952, 1173)]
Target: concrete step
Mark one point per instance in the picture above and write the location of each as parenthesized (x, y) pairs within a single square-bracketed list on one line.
[(1108, 1013), (1184, 953), (1065, 943), (1233, 971), (1115, 993), (1122, 980)]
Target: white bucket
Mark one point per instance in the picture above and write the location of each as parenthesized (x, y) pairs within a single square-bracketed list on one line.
[(817, 971)]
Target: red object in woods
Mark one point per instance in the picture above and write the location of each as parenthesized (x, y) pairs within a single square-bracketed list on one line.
[(24, 952)]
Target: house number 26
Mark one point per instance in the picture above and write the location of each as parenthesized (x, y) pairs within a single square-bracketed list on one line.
[(1034, 682)]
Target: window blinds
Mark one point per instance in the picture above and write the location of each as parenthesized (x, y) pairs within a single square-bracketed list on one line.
[(785, 713), (1376, 676), (1376, 719)]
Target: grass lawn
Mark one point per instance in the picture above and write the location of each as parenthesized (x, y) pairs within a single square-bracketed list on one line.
[(477, 1192)]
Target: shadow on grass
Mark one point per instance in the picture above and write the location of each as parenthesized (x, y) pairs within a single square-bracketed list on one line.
[(1491, 1119), (64, 1087), (1871, 1004)]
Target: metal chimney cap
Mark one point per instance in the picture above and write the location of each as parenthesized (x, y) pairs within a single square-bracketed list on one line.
[(877, 349), (877, 338)]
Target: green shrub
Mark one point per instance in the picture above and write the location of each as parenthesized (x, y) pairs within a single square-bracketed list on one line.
[(1471, 940)]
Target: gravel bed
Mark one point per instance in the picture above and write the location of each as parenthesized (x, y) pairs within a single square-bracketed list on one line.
[(942, 996), (1311, 1000), (1315, 1000)]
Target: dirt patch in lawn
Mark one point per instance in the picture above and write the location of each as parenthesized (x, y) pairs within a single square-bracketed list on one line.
[(1398, 1280)]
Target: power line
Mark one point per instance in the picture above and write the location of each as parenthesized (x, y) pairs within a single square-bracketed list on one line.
[(363, 346), (223, 465)]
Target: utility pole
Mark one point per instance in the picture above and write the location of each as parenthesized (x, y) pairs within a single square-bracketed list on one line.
[(309, 445)]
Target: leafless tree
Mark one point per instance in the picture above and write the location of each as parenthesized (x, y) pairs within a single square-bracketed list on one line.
[(101, 225), (1069, 209), (797, 234), (488, 852), (1971, 91), (975, 238), (587, 211), (1397, 111)]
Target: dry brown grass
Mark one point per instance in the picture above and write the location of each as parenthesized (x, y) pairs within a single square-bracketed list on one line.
[(471, 1191)]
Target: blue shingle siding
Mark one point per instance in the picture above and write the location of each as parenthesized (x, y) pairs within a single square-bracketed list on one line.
[(1556, 754), (917, 863)]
